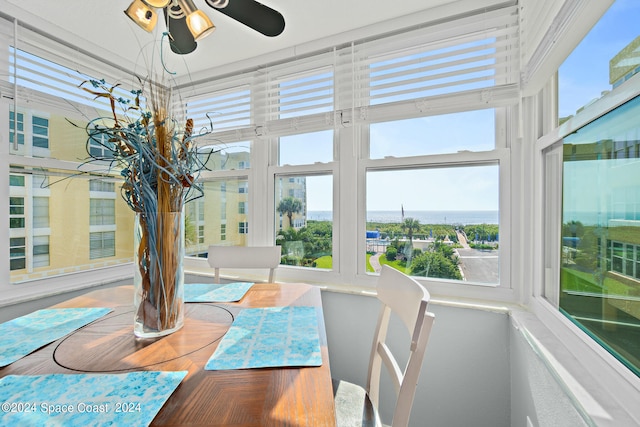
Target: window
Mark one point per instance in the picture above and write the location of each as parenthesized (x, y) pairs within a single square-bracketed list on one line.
[(201, 234), (306, 148), (16, 212), (41, 212), (594, 247), (16, 126), (40, 251), (304, 221), (228, 156), (102, 244), (599, 280), (31, 128), (603, 60), (102, 211), (448, 231), (102, 186), (194, 227), (66, 207), (341, 119), (243, 227), (221, 215), (40, 181), (17, 253), (100, 147), (16, 181), (434, 135), (40, 132)]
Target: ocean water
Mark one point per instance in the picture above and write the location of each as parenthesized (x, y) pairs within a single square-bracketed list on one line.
[(424, 217)]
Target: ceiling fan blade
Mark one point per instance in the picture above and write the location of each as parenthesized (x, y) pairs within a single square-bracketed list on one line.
[(254, 15), (181, 40)]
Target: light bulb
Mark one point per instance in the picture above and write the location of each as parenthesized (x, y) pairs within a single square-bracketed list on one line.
[(199, 24), (142, 14)]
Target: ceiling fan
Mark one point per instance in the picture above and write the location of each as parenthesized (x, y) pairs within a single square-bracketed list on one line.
[(186, 24)]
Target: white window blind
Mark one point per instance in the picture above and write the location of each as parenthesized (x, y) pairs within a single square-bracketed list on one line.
[(471, 59), (221, 110), (420, 68), (278, 100), (40, 80), (297, 97), (49, 74), (301, 93), (6, 40)]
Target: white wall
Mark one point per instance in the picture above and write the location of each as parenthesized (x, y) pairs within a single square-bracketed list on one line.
[(536, 396)]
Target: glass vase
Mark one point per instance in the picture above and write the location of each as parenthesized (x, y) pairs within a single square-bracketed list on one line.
[(159, 273)]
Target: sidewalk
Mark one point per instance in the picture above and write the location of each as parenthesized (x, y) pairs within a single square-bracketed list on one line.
[(375, 262), (462, 240)]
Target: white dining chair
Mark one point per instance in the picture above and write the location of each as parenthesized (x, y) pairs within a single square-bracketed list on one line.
[(357, 406), (244, 257)]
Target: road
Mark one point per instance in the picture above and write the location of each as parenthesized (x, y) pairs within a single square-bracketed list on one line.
[(479, 265)]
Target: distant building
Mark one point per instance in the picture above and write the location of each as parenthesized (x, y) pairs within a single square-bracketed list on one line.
[(296, 187), (625, 64)]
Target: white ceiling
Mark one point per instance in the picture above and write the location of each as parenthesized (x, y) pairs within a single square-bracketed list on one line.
[(101, 27)]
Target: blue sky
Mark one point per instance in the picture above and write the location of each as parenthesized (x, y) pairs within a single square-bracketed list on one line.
[(585, 73)]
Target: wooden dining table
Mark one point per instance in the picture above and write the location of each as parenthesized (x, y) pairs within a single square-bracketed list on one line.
[(283, 396)]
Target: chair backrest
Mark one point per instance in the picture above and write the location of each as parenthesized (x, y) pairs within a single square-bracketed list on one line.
[(244, 257), (405, 297)]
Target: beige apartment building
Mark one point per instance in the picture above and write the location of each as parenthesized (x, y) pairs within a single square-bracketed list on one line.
[(61, 223)]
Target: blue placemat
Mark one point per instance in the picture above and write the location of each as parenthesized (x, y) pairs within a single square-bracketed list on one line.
[(207, 292), (131, 399), (269, 337), (21, 336)]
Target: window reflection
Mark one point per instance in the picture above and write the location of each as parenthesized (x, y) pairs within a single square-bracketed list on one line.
[(219, 217), (49, 206), (600, 286)]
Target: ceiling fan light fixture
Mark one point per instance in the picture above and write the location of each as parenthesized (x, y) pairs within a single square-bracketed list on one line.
[(218, 4), (142, 14), (199, 24), (157, 3)]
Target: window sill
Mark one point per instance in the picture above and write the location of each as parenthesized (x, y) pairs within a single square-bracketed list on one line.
[(604, 391), (42, 288)]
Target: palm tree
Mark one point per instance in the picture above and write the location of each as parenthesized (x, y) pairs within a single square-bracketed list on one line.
[(410, 224), (288, 206)]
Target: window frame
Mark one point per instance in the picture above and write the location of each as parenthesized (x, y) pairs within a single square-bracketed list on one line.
[(349, 121), (612, 374), (499, 156)]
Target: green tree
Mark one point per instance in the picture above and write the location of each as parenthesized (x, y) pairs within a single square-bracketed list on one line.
[(573, 229), (435, 264), (190, 233), (288, 206), (304, 246), (410, 225)]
